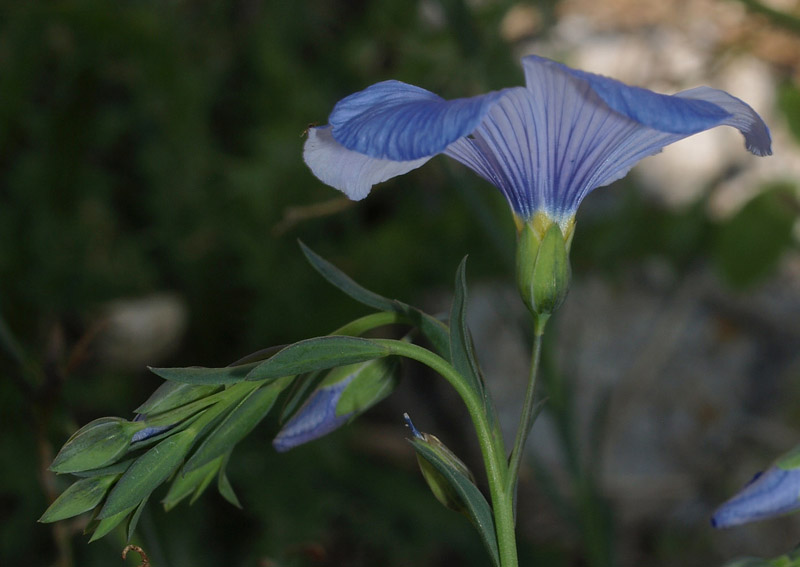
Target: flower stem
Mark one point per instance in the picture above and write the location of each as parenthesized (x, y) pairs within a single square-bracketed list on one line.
[(528, 408), (491, 449)]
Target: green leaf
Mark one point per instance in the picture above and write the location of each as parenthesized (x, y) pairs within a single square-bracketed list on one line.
[(95, 445), (748, 246), (317, 354), (461, 352), (115, 469), (432, 328), (236, 425), (147, 473), (344, 283), (206, 376), (103, 527), (133, 520), (195, 481), (78, 498), (225, 488), (171, 395), (477, 509)]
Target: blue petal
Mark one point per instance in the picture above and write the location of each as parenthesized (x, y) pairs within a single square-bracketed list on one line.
[(547, 146), (401, 122), (316, 418), (351, 172), (741, 116), (775, 492)]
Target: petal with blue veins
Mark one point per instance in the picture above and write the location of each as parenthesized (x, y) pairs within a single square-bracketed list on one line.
[(774, 492), (402, 122), (545, 145), (351, 172)]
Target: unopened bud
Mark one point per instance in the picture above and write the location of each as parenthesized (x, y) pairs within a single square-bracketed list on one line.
[(346, 392), (543, 270), (442, 489)]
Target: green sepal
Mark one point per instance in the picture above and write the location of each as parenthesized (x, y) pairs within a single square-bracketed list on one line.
[(433, 329), (319, 353), (79, 497), (193, 482), (147, 473), (543, 270), (237, 424), (96, 444), (451, 484), (372, 382), (551, 275), (206, 376), (171, 395)]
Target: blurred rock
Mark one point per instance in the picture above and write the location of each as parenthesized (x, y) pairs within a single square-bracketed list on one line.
[(141, 331)]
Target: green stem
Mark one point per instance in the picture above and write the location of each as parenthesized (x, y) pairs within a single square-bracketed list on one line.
[(528, 413), (491, 450), (368, 322)]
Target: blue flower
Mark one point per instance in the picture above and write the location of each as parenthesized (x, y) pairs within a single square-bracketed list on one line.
[(545, 146), (774, 492)]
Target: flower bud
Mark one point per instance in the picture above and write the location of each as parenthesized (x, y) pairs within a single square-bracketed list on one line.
[(543, 270), (346, 392), (442, 488), (95, 445)]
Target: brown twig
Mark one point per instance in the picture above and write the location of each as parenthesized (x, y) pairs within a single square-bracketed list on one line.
[(145, 560)]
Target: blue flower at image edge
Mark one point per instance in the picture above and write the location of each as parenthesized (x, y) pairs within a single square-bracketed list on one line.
[(771, 493), (545, 145)]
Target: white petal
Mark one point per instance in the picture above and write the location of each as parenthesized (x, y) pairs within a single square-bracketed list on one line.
[(351, 172)]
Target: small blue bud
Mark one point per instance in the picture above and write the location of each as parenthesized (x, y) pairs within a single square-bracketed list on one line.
[(148, 432), (317, 417), (346, 392)]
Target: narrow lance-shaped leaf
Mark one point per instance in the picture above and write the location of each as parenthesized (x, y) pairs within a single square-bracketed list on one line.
[(461, 352), (79, 497), (101, 527), (185, 484), (206, 376), (344, 283), (432, 328), (225, 488), (133, 521), (147, 473), (237, 424), (317, 354), (171, 395)]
